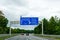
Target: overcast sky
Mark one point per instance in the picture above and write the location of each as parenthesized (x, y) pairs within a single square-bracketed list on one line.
[(13, 9)]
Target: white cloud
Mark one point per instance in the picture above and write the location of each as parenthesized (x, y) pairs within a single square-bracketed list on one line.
[(13, 9)]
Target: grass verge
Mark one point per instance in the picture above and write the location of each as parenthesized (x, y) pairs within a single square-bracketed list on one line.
[(5, 37), (51, 37)]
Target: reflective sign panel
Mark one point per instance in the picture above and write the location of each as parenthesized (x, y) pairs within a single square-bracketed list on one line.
[(29, 21)]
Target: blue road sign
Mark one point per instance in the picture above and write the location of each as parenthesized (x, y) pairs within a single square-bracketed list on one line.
[(28, 20)]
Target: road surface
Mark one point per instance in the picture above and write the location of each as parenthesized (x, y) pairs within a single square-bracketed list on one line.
[(24, 37)]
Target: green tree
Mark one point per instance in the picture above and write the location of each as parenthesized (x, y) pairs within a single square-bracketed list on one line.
[(59, 22), (3, 23), (58, 27), (45, 26), (50, 27), (52, 24), (37, 30), (3, 20)]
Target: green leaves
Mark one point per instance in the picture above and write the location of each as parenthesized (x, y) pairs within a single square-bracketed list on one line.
[(45, 25), (50, 27), (3, 23)]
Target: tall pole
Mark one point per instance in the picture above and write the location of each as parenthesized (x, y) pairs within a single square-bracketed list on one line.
[(42, 28), (10, 29)]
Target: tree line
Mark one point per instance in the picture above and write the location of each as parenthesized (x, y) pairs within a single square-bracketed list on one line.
[(51, 26), (17, 30)]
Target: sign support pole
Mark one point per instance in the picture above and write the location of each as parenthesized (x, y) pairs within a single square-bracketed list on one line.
[(42, 27), (10, 28)]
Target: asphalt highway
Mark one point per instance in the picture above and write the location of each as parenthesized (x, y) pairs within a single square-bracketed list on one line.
[(24, 37)]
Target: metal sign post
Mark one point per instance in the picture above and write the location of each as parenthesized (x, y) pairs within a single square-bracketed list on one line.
[(10, 29), (42, 28), (13, 23)]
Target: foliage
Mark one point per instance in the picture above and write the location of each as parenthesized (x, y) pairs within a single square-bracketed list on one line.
[(21, 31), (3, 20), (50, 27), (37, 30), (46, 25), (3, 23)]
